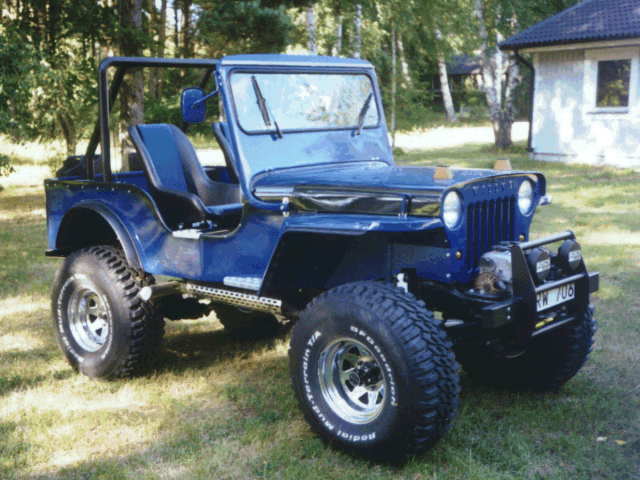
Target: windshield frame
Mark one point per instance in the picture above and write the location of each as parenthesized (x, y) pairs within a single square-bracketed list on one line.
[(301, 70)]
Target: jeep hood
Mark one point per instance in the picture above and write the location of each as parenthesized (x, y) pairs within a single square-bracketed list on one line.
[(376, 187)]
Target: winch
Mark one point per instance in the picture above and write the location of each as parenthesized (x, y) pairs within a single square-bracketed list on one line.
[(494, 273)]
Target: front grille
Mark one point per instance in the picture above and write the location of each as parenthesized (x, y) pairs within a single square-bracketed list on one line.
[(488, 222)]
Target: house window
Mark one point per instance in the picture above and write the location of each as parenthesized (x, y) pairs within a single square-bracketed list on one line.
[(613, 83)]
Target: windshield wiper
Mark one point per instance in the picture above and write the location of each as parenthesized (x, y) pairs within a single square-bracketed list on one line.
[(363, 113), (264, 108)]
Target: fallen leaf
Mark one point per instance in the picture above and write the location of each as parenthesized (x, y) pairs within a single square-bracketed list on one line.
[(621, 442)]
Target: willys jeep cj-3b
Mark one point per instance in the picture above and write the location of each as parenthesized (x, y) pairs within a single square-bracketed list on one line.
[(310, 221)]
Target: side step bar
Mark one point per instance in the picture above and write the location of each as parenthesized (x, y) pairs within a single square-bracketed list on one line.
[(237, 299)]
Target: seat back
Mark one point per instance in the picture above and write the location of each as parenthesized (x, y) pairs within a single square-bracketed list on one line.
[(166, 164)]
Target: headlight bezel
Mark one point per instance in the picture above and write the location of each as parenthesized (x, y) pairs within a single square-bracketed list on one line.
[(457, 209)]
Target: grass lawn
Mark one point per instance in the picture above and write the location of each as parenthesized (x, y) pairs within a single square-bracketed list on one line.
[(222, 407)]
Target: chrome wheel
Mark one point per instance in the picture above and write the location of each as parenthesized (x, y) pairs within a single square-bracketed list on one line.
[(87, 314), (351, 381)]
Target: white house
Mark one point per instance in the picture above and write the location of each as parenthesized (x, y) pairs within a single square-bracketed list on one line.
[(586, 103)]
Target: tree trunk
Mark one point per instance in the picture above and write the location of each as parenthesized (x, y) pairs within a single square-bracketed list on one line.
[(176, 30), (444, 81), (393, 85), (501, 118), (163, 38), (68, 128), (404, 65), (187, 37), (444, 88), (337, 49), (508, 113), (52, 20), (357, 36), (312, 45), (132, 90), (153, 26)]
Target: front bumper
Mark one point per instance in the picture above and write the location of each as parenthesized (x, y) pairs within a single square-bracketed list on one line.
[(520, 310)]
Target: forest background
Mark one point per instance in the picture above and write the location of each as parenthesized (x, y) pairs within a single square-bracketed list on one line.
[(50, 51)]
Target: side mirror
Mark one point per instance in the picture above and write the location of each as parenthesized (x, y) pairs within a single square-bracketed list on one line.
[(192, 105)]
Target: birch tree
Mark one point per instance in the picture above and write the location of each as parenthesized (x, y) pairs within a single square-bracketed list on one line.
[(337, 49), (312, 44), (444, 79), (500, 75), (357, 34), (404, 65)]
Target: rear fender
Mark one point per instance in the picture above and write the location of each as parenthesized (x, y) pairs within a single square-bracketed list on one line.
[(93, 223)]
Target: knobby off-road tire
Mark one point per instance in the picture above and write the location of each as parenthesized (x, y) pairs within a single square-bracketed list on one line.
[(254, 324), (551, 360), (373, 372), (103, 328)]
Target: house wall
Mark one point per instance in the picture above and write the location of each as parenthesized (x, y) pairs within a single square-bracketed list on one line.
[(567, 125)]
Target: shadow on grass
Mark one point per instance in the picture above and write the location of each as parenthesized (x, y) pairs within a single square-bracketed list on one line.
[(253, 429), (13, 382), (197, 350)]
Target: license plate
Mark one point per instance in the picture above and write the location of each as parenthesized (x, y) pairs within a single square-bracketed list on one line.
[(556, 296)]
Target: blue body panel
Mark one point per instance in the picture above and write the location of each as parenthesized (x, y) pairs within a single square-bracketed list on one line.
[(247, 251), (378, 175), (208, 258)]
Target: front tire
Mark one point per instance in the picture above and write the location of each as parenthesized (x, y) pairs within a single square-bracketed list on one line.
[(551, 360), (373, 372), (103, 328)]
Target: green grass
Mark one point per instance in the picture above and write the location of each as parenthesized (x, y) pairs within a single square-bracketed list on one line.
[(221, 407)]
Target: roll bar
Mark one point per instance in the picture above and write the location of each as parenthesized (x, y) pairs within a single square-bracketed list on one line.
[(107, 97)]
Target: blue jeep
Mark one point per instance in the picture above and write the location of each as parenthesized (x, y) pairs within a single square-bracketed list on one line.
[(310, 222)]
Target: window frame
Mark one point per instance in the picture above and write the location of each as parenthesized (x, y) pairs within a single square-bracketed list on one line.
[(592, 59), (317, 70)]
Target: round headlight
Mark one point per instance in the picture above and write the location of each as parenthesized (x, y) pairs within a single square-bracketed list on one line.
[(525, 197), (452, 209)]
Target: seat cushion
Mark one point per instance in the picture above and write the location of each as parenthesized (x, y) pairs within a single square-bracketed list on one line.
[(225, 210)]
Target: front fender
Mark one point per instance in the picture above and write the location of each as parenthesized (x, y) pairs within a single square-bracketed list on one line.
[(320, 251)]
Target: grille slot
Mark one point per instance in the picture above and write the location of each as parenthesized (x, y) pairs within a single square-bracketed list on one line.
[(488, 222)]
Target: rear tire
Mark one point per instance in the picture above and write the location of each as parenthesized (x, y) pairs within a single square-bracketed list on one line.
[(551, 360), (373, 372), (103, 328)]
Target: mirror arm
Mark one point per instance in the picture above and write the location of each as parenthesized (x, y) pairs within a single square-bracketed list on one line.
[(207, 97)]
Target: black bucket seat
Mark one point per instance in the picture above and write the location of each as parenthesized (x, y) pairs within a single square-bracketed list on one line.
[(178, 183)]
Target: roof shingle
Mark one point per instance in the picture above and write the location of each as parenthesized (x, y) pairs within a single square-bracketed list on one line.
[(588, 21)]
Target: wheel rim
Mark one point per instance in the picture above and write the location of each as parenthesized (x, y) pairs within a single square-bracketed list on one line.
[(351, 381), (87, 313)]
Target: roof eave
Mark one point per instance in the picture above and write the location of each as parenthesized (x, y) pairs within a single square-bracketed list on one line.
[(600, 41)]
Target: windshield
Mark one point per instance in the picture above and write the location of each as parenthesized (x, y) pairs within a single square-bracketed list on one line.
[(269, 102)]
